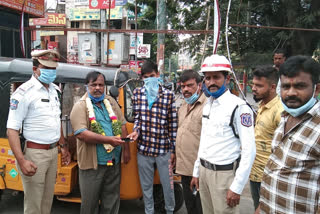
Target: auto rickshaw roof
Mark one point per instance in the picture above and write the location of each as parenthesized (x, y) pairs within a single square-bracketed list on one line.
[(20, 70)]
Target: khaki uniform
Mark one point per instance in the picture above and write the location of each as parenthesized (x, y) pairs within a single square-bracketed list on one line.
[(188, 136), (36, 109), (187, 145)]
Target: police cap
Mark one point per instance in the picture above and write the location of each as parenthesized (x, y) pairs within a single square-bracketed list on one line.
[(48, 58)]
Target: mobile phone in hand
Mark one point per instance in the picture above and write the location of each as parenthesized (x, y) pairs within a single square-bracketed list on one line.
[(126, 139), (194, 191)]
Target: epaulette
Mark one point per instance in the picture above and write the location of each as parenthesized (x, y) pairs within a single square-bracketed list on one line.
[(24, 87)]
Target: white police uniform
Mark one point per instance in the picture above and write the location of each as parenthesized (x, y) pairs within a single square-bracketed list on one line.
[(38, 109), (220, 148)]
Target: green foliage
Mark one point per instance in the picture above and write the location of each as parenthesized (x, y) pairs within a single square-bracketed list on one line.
[(244, 41), (116, 127), (97, 128), (248, 46)]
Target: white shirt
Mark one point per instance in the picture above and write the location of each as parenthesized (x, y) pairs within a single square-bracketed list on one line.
[(278, 89), (39, 110), (218, 144)]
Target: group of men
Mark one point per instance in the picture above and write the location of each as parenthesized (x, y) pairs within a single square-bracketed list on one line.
[(214, 141)]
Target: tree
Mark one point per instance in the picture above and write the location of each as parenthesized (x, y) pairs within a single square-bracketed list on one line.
[(251, 44), (148, 21)]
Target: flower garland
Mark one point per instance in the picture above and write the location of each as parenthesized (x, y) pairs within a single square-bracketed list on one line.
[(97, 128)]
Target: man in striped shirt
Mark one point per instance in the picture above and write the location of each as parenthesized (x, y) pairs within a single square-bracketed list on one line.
[(290, 183), (155, 128)]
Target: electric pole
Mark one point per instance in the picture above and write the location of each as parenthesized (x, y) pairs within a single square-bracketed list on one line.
[(161, 25)]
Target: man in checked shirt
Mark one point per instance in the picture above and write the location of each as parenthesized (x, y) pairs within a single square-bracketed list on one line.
[(155, 127), (290, 183)]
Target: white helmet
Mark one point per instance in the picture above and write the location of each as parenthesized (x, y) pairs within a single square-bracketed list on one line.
[(215, 63)]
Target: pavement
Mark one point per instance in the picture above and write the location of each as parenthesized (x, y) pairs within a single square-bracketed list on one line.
[(12, 202)]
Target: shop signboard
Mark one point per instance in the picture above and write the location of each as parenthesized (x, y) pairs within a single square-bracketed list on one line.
[(34, 7), (144, 51), (102, 4), (115, 13), (121, 2), (51, 19), (82, 14)]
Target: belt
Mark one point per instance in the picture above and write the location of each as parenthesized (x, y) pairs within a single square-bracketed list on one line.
[(215, 167), (33, 145)]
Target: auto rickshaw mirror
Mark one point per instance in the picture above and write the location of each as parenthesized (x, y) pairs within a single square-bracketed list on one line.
[(114, 92)]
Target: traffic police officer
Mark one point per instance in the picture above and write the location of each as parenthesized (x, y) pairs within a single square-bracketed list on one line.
[(227, 133), (35, 108)]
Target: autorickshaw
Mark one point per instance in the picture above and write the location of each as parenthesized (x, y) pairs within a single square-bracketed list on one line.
[(71, 80)]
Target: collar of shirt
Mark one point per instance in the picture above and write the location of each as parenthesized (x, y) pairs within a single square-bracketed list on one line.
[(270, 104), (223, 99)]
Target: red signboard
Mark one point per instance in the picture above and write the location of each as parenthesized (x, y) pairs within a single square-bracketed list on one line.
[(132, 66), (102, 4), (34, 7), (52, 45), (51, 19)]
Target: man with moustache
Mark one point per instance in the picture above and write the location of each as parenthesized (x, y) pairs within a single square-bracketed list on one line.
[(290, 182), (265, 80), (188, 135), (99, 155), (226, 151), (35, 108), (279, 57)]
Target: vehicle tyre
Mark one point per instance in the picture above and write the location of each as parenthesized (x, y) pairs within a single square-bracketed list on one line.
[(178, 196), (158, 197)]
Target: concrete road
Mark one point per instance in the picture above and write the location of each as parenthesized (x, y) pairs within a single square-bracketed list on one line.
[(12, 203)]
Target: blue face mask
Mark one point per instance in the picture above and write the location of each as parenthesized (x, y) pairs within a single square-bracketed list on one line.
[(47, 76), (194, 97), (296, 112), (152, 87), (96, 99), (215, 94)]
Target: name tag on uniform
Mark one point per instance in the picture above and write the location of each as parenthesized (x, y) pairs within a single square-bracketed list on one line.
[(45, 100)]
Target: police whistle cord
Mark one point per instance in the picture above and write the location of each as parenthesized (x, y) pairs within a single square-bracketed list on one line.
[(229, 57)]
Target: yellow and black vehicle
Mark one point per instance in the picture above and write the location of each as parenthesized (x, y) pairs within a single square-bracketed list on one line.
[(71, 80)]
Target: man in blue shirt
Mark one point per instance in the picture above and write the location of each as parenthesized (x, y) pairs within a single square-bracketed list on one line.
[(98, 149)]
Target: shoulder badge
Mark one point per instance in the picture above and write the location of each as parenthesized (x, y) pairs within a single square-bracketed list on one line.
[(246, 119), (14, 104)]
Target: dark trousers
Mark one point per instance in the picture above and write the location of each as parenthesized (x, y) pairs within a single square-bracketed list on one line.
[(100, 184), (255, 193), (193, 203)]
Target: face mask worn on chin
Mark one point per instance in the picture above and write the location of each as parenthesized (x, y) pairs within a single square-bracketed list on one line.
[(215, 94), (194, 97), (96, 99), (152, 88), (47, 76), (296, 112)]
